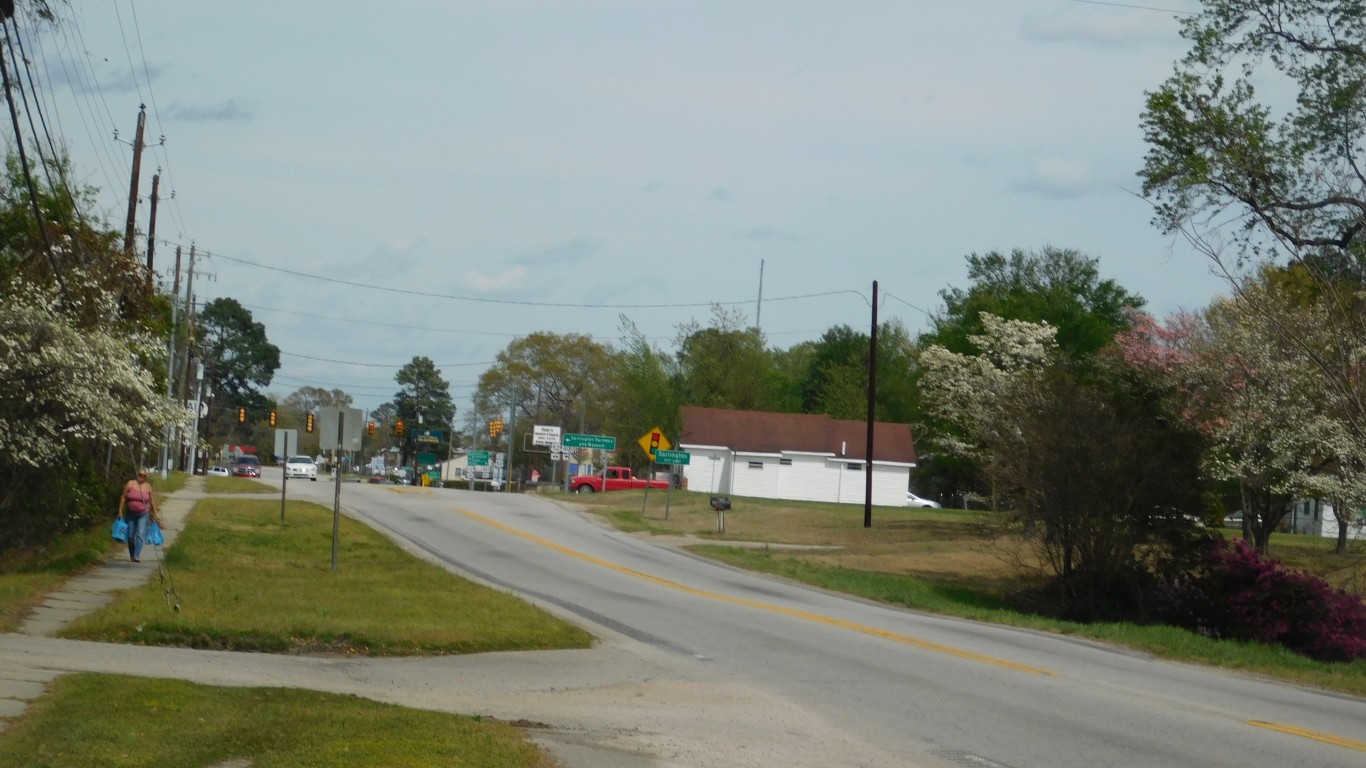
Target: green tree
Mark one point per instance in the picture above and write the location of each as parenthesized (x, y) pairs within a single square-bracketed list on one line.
[(544, 378), (1056, 286), (1273, 174), (424, 402), (293, 409), (724, 365), (1085, 460), (642, 390), (836, 380), (81, 360), (238, 362)]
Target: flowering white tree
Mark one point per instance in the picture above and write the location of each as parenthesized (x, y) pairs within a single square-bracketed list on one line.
[(1083, 460), (966, 392), (60, 382), (1251, 377)]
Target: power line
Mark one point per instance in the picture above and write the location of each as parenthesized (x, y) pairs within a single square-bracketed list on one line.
[(513, 302), (395, 366)]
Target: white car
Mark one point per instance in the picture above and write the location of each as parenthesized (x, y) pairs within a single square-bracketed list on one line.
[(915, 501), (301, 466), (219, 471)]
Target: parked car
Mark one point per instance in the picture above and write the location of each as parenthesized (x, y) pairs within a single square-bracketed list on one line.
[(915, 501), (246, 466), (219, 470), (1234, 520), (301, 466)]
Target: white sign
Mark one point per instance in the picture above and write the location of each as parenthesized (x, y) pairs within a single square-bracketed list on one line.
[(545, 435)]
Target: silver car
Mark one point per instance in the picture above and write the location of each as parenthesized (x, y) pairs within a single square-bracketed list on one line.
[(301, 466)]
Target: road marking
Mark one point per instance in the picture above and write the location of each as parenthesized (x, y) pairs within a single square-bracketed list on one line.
[(1326, 738), (769, 607)]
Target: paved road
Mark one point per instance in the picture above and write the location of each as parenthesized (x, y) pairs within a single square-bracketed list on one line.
[(921, 689), (702, 665)]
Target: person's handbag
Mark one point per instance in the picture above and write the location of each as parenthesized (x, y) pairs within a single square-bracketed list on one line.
[(120, 529), (154, 536)]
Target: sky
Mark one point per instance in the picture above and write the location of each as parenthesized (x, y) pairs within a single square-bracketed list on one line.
[(378, 181)]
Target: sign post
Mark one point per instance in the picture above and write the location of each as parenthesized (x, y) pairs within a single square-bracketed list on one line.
[(286, 443), (675, 458), (596, 442)]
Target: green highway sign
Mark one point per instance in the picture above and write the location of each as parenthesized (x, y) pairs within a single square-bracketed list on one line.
[(601, 442), (479, 458), (672, 457)]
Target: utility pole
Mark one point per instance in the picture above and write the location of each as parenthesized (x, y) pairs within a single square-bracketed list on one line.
[(872, 412), (170, 354), (189, 341), (152, 230), (133, 185)]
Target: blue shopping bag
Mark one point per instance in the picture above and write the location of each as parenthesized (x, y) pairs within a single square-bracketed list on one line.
[(120, 529), (154, 536)]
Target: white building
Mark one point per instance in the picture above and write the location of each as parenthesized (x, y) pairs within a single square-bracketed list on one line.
[(1315, 517), (804, 457)]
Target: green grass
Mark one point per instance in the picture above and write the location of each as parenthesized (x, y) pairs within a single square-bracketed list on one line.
[(110, 721), (26, 576), (248, 582), (216, 485), (1167, 642)]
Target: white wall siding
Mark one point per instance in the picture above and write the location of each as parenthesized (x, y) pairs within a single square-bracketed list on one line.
[(809, 476)]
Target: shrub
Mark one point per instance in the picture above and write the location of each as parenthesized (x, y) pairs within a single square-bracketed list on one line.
[(1239, 594)]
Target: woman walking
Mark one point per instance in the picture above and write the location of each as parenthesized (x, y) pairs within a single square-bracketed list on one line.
[(137, 500)]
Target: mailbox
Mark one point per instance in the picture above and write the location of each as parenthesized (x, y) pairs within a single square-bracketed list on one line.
[(720, 503)]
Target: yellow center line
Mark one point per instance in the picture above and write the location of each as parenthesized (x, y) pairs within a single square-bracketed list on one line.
[(1326, 738), (771, 608)]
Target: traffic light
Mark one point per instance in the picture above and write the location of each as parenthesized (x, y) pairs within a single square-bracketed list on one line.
[(272, 418), (241, 415), (654, 442), (398, 427), (496, 427), (370, 429), (308, 422)]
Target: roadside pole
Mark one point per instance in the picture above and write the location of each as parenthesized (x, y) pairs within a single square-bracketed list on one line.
[(336, 496)]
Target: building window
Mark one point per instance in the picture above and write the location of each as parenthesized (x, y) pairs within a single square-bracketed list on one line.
[(785, 462), (756, 465), (854, 466)]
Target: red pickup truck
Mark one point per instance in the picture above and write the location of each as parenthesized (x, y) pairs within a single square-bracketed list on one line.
[(614, 479)]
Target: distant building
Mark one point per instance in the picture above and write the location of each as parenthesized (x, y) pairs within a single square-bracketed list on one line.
[(803, 457)]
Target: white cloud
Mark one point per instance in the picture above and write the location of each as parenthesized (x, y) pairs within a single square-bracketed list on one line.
[(1058, 177), (513, 277)]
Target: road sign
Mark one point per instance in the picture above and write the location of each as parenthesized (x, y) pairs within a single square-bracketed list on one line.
[(430, 435), (653, 441), (601, 442), (545, 435), (478, 458), (664, 456)]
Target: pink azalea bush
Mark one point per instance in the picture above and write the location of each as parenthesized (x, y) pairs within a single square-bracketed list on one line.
[(1239, 594)]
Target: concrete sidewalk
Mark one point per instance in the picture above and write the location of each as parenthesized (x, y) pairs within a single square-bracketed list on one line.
[(21, 683)]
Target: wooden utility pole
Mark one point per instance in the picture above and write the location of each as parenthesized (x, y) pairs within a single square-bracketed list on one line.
[(152, 231), (872, 418), (133, 185)]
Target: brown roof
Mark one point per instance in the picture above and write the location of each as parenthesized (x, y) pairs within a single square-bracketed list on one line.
[(766, 432)]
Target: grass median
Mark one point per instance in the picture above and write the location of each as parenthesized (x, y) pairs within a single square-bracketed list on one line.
[(942, 561), (247, 581), (98, 721)]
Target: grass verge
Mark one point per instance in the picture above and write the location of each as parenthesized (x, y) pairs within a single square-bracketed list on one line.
[(214, 484), (99, 721), (247, 581)]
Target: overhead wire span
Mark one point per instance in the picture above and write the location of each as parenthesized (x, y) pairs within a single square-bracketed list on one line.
[(515, 302)]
